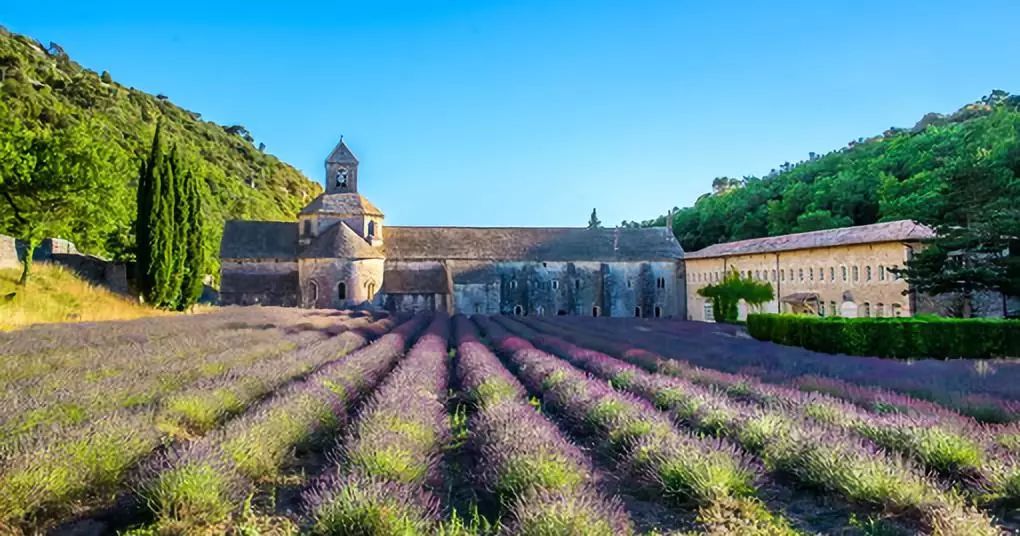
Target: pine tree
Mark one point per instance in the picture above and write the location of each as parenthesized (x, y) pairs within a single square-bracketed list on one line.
[(593, 222)]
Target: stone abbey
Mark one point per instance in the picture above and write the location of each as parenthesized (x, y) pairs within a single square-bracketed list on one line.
[(340, 254)]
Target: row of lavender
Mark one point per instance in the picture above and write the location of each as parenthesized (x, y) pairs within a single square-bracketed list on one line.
[(204, 483), (987, 390), (58, 468), (980, 458), (542, 483), (789, 438), (710, 473)]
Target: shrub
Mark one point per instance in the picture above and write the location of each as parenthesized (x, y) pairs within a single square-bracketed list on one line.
[(917, 337)]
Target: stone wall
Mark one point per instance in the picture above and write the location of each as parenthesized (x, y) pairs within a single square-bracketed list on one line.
[(321, 279), (262, 282), (8, 252), (569, 288)]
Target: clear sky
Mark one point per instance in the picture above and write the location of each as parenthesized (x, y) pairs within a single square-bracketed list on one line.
[(533, 112)]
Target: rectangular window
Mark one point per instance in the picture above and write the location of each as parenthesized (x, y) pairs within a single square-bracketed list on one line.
[(821, 309), (800, 274), (867, 273), (555, 285), (832, 274), (832, 307), (811, 274), (856, 273), (881, 273), (782, 275), (844, 272)]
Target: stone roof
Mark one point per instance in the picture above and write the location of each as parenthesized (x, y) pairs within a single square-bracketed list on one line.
[(893, 231), (259, 240), (347, 203), (339, 240), (430, 280), (341, 154), (530, 243)]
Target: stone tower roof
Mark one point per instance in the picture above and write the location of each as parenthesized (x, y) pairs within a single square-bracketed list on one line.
[(339, 240), (892, 231), (342, 204), (341, 154)]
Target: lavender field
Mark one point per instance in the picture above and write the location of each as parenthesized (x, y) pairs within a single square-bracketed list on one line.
[(290, 421)]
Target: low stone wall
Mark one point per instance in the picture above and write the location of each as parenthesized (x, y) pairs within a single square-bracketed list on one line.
[(8, 252)]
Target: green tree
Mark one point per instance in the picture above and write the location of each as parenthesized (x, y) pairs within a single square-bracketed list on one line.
[(593, 221), (145, 197), (726, 295), (196, 260), (971, 251), (54, 181)]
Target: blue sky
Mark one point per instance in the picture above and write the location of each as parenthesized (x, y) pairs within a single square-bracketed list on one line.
[(533, 112)]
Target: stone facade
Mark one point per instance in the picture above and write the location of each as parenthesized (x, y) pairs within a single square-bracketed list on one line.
[(339, 254), (844, 272)]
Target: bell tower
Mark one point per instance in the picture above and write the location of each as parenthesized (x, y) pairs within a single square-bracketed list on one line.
[(341, 170)]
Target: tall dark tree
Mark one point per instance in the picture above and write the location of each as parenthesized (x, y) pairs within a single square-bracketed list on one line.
[(196, 261), (143, 220), (593, 221)]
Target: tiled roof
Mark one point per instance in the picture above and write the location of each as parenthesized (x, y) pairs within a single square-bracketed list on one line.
[(530, 243), (431, 280), (349, 203), (893, 231), (341, 154), (339, 240), (259, 240)]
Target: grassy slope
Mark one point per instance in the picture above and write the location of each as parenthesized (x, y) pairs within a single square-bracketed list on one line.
[(55, 294), (45, 88)]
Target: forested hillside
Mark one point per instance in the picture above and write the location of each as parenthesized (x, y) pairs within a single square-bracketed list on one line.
[(58, 118), (911, 173)]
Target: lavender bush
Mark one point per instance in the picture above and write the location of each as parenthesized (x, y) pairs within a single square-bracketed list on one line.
[(543, 481), (390, 460), (680, 465), (817, 455)]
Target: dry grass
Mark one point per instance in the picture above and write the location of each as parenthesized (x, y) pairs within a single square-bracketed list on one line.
[(55, 294)]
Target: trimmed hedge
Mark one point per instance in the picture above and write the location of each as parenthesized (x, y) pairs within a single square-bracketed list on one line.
[(914, 337)]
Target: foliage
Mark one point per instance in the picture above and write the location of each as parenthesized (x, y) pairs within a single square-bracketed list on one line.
[(74, 119), (892, 337), (170, 226), (56, 179), (726, 295), (593, 221), (900, 174)]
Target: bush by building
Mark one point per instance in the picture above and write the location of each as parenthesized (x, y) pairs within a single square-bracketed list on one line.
[(915, 337)]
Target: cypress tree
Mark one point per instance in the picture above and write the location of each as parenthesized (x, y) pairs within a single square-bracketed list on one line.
[(181, 232), (195, 263), (162, 264), (143, 219)]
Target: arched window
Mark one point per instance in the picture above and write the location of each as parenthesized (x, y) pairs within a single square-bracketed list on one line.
[(370, 289), (371, 228), (856, 273), (518, 310), (811, 274), (865, 311), (596, 311), (540, 311), (832, 273), (313, 291), (844, 272), (660, 282), (800, 274), (879, 310), (867, 273), (513, 284), (341, 290), (832, 307), (637, 312), (658, 312), (897, 310), (821, 308)]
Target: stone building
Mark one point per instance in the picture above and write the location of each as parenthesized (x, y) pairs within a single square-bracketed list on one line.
[(340, 253), (843, 272)]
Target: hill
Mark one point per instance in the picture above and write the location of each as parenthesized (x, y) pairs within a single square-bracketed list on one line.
[(902, 173), (55, 294), (42, 89)]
